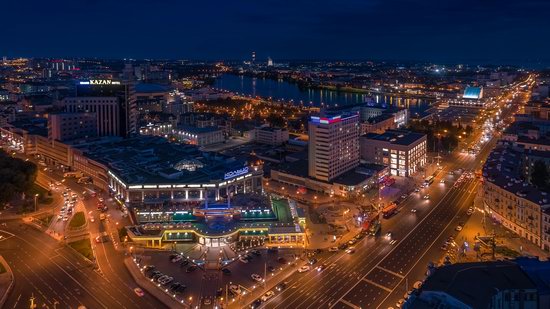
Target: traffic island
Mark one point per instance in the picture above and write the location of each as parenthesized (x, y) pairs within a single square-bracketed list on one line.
[(84, 247), (7, 280)]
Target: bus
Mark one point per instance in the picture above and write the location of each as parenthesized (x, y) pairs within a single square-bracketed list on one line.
[(389, 210), (429, 180)]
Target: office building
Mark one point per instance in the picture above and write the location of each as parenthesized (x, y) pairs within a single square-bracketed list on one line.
[(112, 101), (271, 136), (403, 151), (71, 126), (333, 145)]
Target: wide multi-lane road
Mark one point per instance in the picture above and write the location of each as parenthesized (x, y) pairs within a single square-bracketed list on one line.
[(380, 273)]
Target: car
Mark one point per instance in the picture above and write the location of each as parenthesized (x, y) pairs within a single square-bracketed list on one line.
[(256, 304), (177, 258), (139, 292), (400, 303), (322, 266), (281, 260), (184, 263), (270, 269), (268, 295), (256, 252), (417, 190), (191, 268), (442, 181), (312, 261), (458, 228), (175, 286), (303, 269), (243, 259), (426, 197), (167, 281), (207, 301), (256, 277), (350, 250), (226, 271), (235, 289), (332, 249), (343, 246), (157, 275), (281, 286), (443, 247), (413, 210), (403, 196), (219, 292), (160, 278), (352, 242), (388, 234), (417, 285)]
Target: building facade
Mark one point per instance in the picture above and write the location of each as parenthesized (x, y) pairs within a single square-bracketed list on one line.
[(70, 126), (333, 145), (271, 136), (403, 151)]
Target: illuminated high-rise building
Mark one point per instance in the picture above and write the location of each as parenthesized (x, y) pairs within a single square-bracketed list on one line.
[(333, 145)]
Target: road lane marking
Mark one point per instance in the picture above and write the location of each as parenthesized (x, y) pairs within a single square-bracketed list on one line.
[(377, 285), (350, 304), (404, 238), (391, 272), (431, 245)]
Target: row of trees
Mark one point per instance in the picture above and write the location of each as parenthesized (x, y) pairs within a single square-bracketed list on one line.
[(16, 176), (442, 136)]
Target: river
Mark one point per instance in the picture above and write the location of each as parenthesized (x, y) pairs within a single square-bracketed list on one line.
[(285, 91)]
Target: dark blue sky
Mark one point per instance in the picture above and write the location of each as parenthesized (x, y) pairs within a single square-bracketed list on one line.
[(496, 31)]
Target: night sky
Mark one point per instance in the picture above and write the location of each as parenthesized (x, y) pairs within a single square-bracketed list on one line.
[(475, 31)]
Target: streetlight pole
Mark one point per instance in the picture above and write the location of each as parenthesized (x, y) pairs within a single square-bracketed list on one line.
[(35, 201)]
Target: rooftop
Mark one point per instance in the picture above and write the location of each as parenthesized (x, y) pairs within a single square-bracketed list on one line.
[(502, 169), (475, 284), (154, 160), (398, 137)]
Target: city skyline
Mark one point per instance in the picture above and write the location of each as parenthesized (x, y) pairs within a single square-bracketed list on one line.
[(491, 32)]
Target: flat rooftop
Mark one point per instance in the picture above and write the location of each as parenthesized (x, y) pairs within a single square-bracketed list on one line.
[(475, 283), (398, 137), (154, 160)]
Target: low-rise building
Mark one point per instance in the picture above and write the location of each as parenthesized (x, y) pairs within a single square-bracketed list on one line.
[(69, 126), (403, 151), (508, 195), (199, 136), (495, 284), (271, 136)]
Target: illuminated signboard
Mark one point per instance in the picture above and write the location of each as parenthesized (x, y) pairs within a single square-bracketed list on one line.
[(236, 173), (329, 120), (100, 82)]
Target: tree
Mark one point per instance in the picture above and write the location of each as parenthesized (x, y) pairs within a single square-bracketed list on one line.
[(539, 176), (16, 176)]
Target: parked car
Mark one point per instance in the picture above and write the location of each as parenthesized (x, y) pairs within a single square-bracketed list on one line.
[(191, 268), (256, 277), (226, 271)]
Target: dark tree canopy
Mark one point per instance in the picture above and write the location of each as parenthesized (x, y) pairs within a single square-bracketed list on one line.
[(16, 176), (539, 176)]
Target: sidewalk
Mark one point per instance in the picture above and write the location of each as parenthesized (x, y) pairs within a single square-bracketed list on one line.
[(7, 281)]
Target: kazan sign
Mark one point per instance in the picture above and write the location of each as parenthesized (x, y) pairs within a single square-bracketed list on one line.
[(236, 173)]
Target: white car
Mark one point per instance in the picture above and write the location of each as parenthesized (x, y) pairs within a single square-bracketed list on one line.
[(139, 292), (235, 289), (267, 296), (333, 249), (350, 250), (413, 210), (256, 277), (303, 269), (243, 259)]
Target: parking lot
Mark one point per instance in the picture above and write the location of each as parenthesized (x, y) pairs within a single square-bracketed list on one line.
[(209, 286)]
